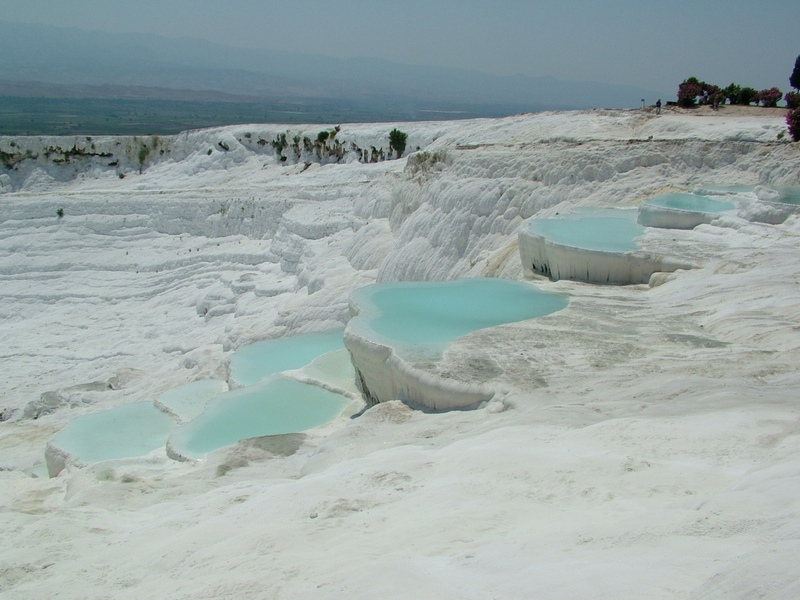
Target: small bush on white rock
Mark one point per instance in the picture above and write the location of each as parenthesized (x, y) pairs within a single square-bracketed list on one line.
[(397, 141)]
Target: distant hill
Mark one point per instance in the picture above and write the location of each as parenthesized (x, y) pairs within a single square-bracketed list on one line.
[(106, 65)]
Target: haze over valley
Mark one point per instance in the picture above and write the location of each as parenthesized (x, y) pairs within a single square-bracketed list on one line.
[(201, 83)]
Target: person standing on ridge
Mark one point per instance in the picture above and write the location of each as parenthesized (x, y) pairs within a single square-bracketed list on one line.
[(658, 107)]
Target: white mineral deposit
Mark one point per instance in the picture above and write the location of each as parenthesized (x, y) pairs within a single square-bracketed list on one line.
[(643, 442)]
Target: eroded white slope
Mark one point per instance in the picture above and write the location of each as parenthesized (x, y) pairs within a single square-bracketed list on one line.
[(647, 445)]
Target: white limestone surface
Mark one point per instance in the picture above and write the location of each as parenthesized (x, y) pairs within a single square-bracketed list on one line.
[(647, 444), (541, 255), (383, 375)]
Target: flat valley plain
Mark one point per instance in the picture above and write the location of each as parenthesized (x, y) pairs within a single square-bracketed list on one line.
[(25, 115)]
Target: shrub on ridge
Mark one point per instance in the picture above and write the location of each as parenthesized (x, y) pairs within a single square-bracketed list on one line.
[(732, 93), (397, 141), (688, 91), (769, 98), (792, 99), (793, 121)]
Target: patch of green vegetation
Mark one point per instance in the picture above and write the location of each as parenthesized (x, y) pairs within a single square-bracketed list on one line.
[(142, 155), (397, 141), (11, 159), (64, 156), (146, 148), (279, 144)]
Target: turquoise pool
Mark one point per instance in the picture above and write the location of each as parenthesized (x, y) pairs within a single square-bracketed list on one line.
[(435, 314), (691, 202), (215, 417), (249, 364), (187, 401), (275, 405), (121, 432), (789, 196), (715, 189), (607, 231)]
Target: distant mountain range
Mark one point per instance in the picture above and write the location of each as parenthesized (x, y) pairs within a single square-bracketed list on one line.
[(46, 61)]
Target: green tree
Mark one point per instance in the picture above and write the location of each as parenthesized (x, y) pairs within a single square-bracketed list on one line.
[(397, 141), (747, 95), (794, 80), (732, 93)]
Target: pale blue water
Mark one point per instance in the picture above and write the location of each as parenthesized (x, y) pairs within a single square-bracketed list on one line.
[(790, 196), (604, 230), (273, 406), (121, 432), (216, 418), (334, 369), (39, 471), (250, 364), (724, 189), (424, 313), (691, 202), (189, 400)]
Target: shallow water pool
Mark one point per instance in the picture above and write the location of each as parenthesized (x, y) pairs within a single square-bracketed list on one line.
[(724, 189), (691, 202), (273, 406), (435, 314), (249, 364), (789, 196), (214, 416), (187, 401), (607, 231), (124, 431)]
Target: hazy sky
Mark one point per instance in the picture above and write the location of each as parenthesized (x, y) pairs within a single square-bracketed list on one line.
[(640, 42)]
